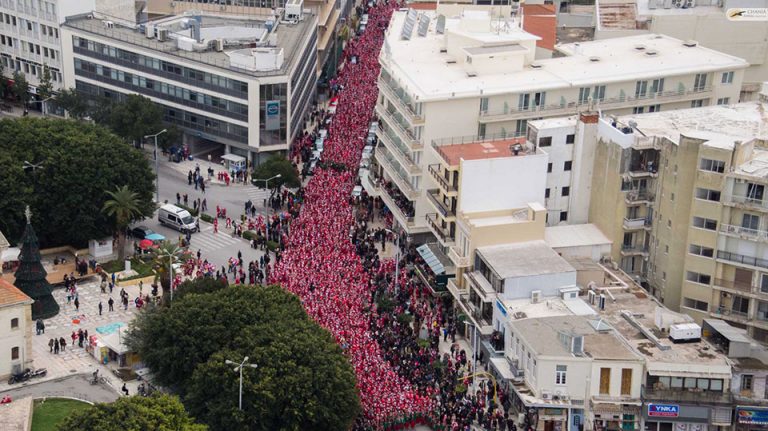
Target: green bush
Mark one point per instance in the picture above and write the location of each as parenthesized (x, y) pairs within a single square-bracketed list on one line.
[(460, 389), (405, 318), (272, 245), (249, 235), (193, 212), (206, 218)]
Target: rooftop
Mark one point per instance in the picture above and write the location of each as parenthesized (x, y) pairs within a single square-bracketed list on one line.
[(618, 16), (523, 308), (235, 32), (720, 125), (578, 235), (482, 149), (554, 122), (426, 67), (11, 295), (524, 259)]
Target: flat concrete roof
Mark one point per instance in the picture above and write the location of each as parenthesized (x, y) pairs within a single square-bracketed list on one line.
[(719, 125), (453, 153), (577, 235), (290, 38), (420, 66), (554, 122), (524, 259)]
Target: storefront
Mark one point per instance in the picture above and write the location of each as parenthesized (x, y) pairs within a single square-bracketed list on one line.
[(682, 417), (751, 418), (615, 417)]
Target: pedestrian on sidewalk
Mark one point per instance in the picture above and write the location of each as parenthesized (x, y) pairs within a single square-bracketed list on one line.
[(77, 304), (111, 304), (50, 345), (101, 306), (125, 389), (205, 203), (178, 198), (215, 225), (63, 344), (56, 347)]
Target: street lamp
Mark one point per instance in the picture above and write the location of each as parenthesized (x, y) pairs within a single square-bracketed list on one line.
[(32, 166), (239, 368), (397, 259), (171, 255), (157, 171), (266, 186)]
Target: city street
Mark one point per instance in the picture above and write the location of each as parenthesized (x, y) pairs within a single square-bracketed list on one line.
[(76, 386)]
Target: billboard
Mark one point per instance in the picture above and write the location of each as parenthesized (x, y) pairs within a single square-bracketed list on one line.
[(663, 410), (272, 115)]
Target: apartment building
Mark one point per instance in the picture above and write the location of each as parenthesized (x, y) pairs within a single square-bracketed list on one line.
[(476, 76), (681, 195), (16, 334), (30, 37), (240, 83), (331, 14)]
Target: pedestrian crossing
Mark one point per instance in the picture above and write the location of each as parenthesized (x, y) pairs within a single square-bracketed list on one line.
[(207, 241), (257, 195)]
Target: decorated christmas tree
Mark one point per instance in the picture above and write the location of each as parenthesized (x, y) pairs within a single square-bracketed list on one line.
[(30, 277)]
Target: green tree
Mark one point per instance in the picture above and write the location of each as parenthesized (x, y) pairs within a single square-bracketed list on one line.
[(75, 103), (158, 412), (200, 285), (163, 257), (80, 161), (45, 87), (170, 138), (20, 87), (302, 380), (276, 165), (135, 117), (123, 208)]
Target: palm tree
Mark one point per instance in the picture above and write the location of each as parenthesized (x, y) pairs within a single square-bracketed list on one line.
[(165, 255), (123, 206)]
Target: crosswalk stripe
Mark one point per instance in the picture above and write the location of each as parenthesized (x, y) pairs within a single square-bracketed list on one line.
[(209, 243)]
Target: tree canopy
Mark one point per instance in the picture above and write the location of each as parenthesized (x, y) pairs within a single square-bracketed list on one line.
[(273, 166), (302, 379), (158, 412), (80, 162)]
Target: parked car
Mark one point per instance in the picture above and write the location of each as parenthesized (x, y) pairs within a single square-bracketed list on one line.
[(141, 232)]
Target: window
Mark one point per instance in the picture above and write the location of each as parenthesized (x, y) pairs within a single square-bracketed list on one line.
[(599, 93), (723, 100), (641, 88), (657, 86), (569, 139), (560, 374), (523, 102), (549, 167), (696, 277), (15, 323), (700, 82), (740, 305), (545, 141), (626, 381), (566, 191), (567, 165), (746, 379), (546, 193), (481, 130), (583, 95), (539, 99), (712, 165), (654, 108), (701, 251), (563, 215), (638, 110), (483, 104), (697, 103), (750, 222), (708, 195), (704, 223), (695, 304), (727, 78), (764, 283), (605, 381), (14, 353)]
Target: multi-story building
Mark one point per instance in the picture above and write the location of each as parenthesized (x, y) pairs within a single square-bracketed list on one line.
[(30, 37), (16, 334), (681, 195), (244, 83), (476, 75)]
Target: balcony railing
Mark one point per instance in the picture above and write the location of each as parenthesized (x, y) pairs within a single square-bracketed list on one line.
[(455, 290), (447, 187), (403, 157), (742, 259), (458, 259), (636, 223), (395, 125), (515, 112), (693, 396), (639, 196), (746, 200), (445, 210), (391, 203), (428, 279), (386, 88), (443, 233), (744, 231), (634, 249), (402, 181), (735, 285)]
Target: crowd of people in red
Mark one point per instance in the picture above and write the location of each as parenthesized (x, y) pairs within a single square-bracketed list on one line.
[(320, 263)]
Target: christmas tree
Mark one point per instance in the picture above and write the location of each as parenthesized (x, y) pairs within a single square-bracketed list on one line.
[(30, 277)]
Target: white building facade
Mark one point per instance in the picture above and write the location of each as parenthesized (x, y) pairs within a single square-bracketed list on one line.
[(15, 329)]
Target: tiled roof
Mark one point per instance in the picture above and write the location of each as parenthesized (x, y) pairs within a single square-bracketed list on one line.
[(541, 20), (11, 295), (3, 242), (423, 6)]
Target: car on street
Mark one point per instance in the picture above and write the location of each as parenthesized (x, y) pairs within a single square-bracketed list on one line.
[(141, 232)]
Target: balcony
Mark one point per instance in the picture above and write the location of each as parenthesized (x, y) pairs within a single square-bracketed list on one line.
[(442, 208), (400, 154), (405, 136), (634, 250), (474, 315), (393, 200), (733, 285), (688, 396), (403, 182), (404, 108), (457, 258), (746, 202), (455, 290), (643, 173), (743, 232), (639, 197), (562, 109), (447, 188), (429, 280), (742, 259), (443, 234), (637, 223)]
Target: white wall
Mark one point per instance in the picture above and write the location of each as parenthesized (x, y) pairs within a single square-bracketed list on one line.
[(593, 252), (615, 382), (548, 284), (502, 183), (10, 338), (68, 7)]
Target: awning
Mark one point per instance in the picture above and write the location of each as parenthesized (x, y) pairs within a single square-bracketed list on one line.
[(704, 370), (430, 257), (233, 158)]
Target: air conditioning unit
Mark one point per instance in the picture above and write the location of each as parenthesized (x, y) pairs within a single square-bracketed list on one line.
[(591, 295), (601, 302), (545, 395), (535, 296), (162, 34), (219, 44)]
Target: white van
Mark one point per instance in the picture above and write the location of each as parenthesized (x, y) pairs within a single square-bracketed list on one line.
[(177, 218)]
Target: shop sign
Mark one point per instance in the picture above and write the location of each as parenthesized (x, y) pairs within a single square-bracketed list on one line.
[(753, 416), (663, 410)]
